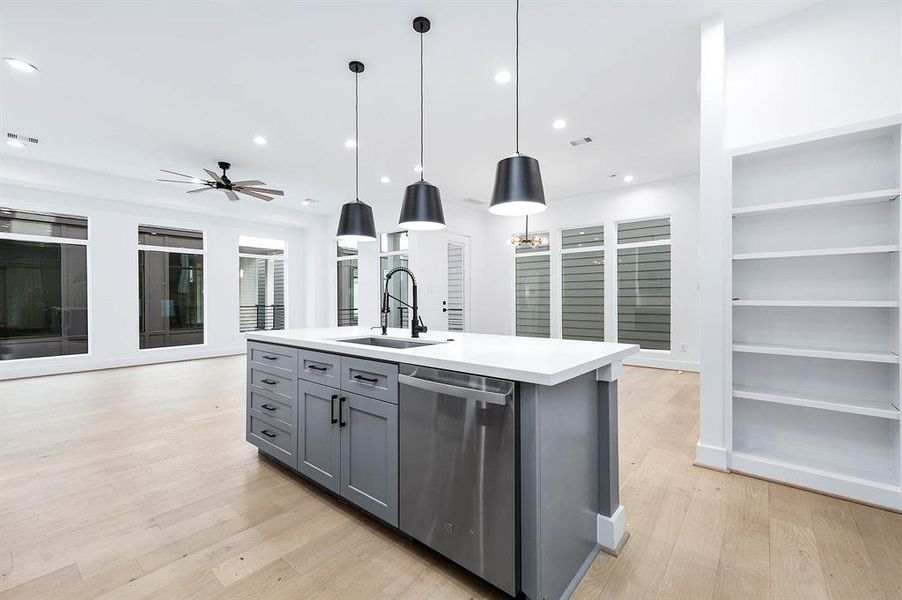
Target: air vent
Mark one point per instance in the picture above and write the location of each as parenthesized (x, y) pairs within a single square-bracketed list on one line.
[(474, 201), (21, 138), (581, 141)]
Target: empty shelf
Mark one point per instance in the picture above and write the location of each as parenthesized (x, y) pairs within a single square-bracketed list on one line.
[(817, 252), (872, 408), (821, 303), (843, 199), (859, 355)]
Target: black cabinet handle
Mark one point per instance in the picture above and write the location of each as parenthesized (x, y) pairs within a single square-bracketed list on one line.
[(341, 401), (267, 357), (268, 433), (367, 379), (317, 368), (268, 407), (332, 409), (269, 381)]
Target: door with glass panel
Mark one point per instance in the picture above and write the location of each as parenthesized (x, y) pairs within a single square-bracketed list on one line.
[(455, 305)]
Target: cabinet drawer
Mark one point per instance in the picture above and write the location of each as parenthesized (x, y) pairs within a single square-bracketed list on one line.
[(283, 412), (319, 367), (277, 386), (274, 440), (370, 378), (279, 359)]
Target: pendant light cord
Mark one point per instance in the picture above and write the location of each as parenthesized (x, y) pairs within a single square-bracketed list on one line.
[(517, 83), (422, 164), (356, 142)]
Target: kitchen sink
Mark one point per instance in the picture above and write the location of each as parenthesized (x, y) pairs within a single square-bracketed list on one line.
[(387, 342)]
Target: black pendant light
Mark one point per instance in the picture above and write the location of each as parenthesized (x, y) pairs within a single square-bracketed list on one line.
[(422, 207), (356, 223), (518, 181)]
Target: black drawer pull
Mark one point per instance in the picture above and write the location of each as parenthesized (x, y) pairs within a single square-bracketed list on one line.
[(367, 379), (269, 433), (268, 407), (268, 357), (269, 381), (332, 409), (341, 401), (317, 368)]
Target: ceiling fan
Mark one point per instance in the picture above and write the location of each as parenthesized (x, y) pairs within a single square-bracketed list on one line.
[(222, 182)]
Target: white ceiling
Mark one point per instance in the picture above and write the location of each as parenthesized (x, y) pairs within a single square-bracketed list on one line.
[(131, 87)]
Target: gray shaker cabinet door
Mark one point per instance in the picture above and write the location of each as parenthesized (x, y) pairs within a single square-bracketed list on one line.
[(369, 455), (318, 434)]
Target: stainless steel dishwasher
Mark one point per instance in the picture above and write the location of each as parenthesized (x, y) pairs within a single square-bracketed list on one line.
[(458, 461)]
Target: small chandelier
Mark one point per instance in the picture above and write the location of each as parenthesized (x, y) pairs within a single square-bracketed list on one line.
[(525, 240)]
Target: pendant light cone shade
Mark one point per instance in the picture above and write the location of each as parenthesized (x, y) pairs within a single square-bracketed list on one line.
[(356, 223), (422, 208), (518, 181), (518, 187)]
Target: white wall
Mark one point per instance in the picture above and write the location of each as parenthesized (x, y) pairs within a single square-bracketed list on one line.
[(833, 64), (676, 198), (113, 264)]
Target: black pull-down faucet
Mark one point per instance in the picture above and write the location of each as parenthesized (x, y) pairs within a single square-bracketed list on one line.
[(416, 322)]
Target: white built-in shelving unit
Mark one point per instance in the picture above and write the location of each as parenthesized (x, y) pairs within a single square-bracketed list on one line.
[(814, 381)]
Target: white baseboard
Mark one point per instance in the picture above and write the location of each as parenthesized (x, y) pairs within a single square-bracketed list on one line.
[(611, 531), (637, 360), (711, 457), (75, 363)]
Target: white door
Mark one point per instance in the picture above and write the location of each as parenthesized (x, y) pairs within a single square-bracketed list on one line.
[(455, 305)]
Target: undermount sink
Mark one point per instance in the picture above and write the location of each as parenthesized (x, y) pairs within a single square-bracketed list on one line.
[(387, 342)]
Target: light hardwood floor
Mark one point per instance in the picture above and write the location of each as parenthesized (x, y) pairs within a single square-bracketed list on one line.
[(137, 483)]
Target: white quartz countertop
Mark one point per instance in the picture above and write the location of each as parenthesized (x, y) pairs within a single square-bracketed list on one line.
[(532, 360)]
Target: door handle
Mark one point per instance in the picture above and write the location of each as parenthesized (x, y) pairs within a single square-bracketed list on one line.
[(269, 381), (269, 434), (268, 407), (341, 402), (367, 379), (332, 409)]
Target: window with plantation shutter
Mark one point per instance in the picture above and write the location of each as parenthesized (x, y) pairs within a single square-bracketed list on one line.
[(582, 283), (533, 289), (643, 282)]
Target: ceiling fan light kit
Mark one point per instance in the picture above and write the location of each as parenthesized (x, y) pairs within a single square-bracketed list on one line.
[(422, 205), (356, 223)]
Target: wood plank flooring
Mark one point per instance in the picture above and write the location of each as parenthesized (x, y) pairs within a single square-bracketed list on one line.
[(137, 483)]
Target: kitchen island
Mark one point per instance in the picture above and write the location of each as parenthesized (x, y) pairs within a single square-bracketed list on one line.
[(498, 452)]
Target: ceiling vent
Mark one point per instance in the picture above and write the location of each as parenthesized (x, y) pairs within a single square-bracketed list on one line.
[(21, 138), (474, 201), (580, 141)]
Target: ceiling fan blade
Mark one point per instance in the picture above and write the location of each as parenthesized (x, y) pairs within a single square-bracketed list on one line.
[(177, 173), (215, 177), (176, 181), (203, 189), (254, 194), (232, 195), (264, 191), (248, 182)]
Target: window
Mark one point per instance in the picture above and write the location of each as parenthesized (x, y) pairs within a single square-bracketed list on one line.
[(393, 253), (43, 285), (533, 289), (261, 284), (643, 279), (346, 261), (582, 283), (170, 287)]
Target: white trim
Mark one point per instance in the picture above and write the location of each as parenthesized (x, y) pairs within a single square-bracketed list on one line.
[(45, 239), (629, 245), (170, 249), (562, 251), (263, 256), (652, 362), (711, 457), (611, 531), (610, 372)]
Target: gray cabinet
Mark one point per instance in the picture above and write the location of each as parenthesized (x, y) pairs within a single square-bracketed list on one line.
[(369, 455), (319, 441)]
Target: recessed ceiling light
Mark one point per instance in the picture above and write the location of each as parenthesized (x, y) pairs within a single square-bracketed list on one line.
[(351, 143), (260, 140), (503, 77), (16, 143), (559, 124), (418, 168), (628, 178), (385, 179), (20, 65)]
